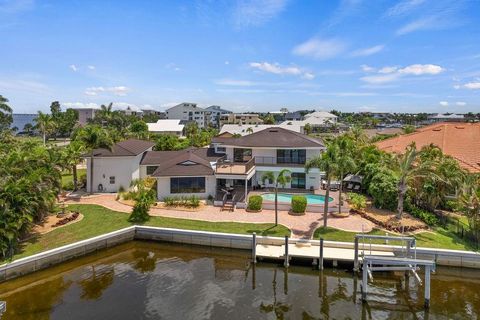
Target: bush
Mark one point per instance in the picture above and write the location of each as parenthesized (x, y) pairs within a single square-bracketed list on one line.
[(452, 205), (424, 215), (182, 201), (255, 203), (383, 189), (68, 186), (143, 201), (357, 201), (299, 204)]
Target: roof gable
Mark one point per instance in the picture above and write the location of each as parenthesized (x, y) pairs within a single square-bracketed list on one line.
[(130, 147), (276, 137)]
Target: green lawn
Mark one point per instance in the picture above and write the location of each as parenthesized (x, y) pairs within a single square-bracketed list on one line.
[(99, 220), (441, 238), (67, 177)]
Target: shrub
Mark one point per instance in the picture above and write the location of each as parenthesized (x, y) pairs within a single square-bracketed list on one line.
[(383, 189), (424, 215), (357, 201), (453, 205), (143, 201), (299, 204), (182, 201), (68, 186), (194, 201), (255, 203)]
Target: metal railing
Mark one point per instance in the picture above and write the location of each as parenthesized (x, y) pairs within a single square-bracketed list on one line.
[(228, 167), (279, 160)]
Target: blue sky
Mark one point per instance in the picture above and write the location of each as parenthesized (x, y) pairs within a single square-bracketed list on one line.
[(351, 55)]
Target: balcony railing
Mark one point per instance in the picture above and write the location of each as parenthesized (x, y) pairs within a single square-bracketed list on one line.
[(280, 160), (224, 166)]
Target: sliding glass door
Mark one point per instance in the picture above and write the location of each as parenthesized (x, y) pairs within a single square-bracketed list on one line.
[(298, 180)]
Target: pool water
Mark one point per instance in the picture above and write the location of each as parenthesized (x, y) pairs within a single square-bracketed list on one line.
[(147, 280), (286, 197)]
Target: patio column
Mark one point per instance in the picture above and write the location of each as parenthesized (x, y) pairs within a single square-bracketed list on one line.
[(246, 187)]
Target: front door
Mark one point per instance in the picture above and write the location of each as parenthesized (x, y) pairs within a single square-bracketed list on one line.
[(298, 180)]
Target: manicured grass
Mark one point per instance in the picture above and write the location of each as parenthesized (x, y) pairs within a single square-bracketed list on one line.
[(440, 238), (99, 220), (67, 177)]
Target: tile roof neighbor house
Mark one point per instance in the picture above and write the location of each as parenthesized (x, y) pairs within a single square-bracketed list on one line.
[(166, 126), (237, 165), (459, 140)]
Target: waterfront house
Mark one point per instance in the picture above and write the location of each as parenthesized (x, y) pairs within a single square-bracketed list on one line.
[(166, 126), (236, 165)]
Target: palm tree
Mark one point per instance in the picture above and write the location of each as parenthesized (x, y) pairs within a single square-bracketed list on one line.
[(470, 201), (345, 163), (282, 179), (44, 123), (105, 114), (249, 130), (72, 154), (326, 162), (5, 114), (93, 137)]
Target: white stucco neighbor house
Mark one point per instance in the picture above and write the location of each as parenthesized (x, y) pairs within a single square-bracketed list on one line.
[(116, 168), (234, 164), (166, 126)]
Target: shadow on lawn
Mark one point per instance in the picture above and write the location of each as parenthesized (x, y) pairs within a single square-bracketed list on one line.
[(271, 231)]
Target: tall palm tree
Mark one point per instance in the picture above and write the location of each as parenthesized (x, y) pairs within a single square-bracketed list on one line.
[(105, 114), (345, 163), (470, 201), (72, 154), (44, 123), (93, 137), (283, 177), (326, 162)]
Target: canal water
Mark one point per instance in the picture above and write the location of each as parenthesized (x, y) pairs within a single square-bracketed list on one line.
[(147, 280)]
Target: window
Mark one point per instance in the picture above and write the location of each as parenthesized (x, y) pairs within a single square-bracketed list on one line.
[(187, 185), (112, 180), (291, 156), (242, 155), (151, 169), (298, 180)]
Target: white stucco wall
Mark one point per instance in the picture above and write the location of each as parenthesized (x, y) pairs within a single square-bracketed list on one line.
[(163, 188), (124, 169)]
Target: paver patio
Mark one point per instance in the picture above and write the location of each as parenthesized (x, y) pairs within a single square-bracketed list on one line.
[(301, 226)]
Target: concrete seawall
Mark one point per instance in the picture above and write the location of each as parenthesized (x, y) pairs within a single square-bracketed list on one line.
[(55, 256)]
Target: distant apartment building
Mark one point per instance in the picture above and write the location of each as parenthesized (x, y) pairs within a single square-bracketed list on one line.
[(240, 118), (188, 112), (150, 111), (215, 113), (85, 114)]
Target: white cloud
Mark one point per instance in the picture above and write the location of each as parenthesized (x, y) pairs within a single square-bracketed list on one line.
[(461, 103), (404, 7), (367, 68), (79, 105), (257, 12), (320, 48), (73, 67), (420, 24), (276, 68), (367, 51), (472, 85), (392, 73), (443, 103), (234, 82), (420, 69), (457, 86), (90, 67), (172, 66), (118, 91), (227, 62)]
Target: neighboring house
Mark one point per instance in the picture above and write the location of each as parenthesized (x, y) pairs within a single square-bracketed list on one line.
[(116, 168), (318, 121), (240, 118), (239, 166), (245, 129), (130, 111), (215, 113), (188, 112), (459, 140), (85, 114), (150, 111), (167, 126), (452, 117), (294, 116)]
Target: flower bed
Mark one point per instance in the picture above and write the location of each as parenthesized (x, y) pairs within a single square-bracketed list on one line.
[(72, 217), (387, 220)]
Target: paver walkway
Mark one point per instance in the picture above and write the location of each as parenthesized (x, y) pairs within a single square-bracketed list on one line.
[(301, 226)]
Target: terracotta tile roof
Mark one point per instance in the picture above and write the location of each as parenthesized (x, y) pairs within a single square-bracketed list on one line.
[(275, 137), (189, 162), (130, 147), (459, 140)]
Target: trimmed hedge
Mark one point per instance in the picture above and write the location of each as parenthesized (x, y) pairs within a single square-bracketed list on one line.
[(299, 204), (255, 203)]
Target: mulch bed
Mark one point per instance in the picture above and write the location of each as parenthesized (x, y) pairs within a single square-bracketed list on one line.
[(387, 220), (72, 217)]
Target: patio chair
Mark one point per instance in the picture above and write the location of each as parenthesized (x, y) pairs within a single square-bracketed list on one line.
[(356, 188), (349, 186)]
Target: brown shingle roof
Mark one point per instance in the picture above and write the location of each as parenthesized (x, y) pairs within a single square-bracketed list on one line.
[(189, 162), (459, 140), (130, 147), (276, 137)]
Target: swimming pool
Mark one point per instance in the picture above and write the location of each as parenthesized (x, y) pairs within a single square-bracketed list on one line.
[(287, 198)]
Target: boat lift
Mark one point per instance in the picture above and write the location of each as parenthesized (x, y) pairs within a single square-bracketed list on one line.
[(405, 260)]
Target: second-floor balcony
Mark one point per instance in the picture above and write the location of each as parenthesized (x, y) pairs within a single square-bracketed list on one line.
[(280, 161), (225, 166)]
